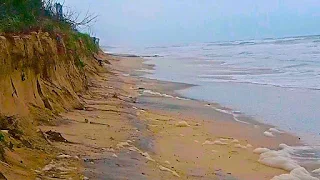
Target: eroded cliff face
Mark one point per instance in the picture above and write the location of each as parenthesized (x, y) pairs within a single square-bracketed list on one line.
[(38, 70), (39, 78)]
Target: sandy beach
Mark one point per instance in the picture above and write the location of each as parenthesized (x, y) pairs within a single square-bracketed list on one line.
[(138, 128), (126, 90)]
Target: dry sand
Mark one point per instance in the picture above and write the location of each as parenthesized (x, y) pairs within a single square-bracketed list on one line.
[(125, 133)]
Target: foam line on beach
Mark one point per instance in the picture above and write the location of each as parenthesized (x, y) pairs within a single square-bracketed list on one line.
[(163, 94), (235, 114)]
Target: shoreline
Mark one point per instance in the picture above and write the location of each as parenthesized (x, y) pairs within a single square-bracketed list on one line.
[(292, 110), (270, 131), (177, 86), (167, 93), (247, 119), (124, 131)]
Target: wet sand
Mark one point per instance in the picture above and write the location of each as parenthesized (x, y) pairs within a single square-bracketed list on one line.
[(137, 128)]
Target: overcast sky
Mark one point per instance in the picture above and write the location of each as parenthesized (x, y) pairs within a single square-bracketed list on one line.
[(156, 22)]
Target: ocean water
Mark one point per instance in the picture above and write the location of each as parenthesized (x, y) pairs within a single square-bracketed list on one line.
[(276, 81)]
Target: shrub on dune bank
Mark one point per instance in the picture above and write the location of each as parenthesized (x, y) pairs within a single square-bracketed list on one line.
[(23, 16)]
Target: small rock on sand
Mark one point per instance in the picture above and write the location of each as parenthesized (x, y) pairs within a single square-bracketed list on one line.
[(63, 156), (182, 124)]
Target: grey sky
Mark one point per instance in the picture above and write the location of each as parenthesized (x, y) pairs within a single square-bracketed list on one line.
[(154, 22)]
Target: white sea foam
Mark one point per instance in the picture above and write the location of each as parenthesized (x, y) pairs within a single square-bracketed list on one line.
[(274, 130), (217, 142), (235, 141), (240, 146), (223, 111), (287, 159), (163, 95), (182, 124), (299, 173), (316, 171), (223, 139), (260, 150), (180, 98), (235, 114), (157, 94), (249, 146), (268, 134), (235, 117)]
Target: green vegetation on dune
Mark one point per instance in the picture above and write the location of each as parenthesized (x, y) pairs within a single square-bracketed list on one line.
[(17, 15), (23, 16)]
